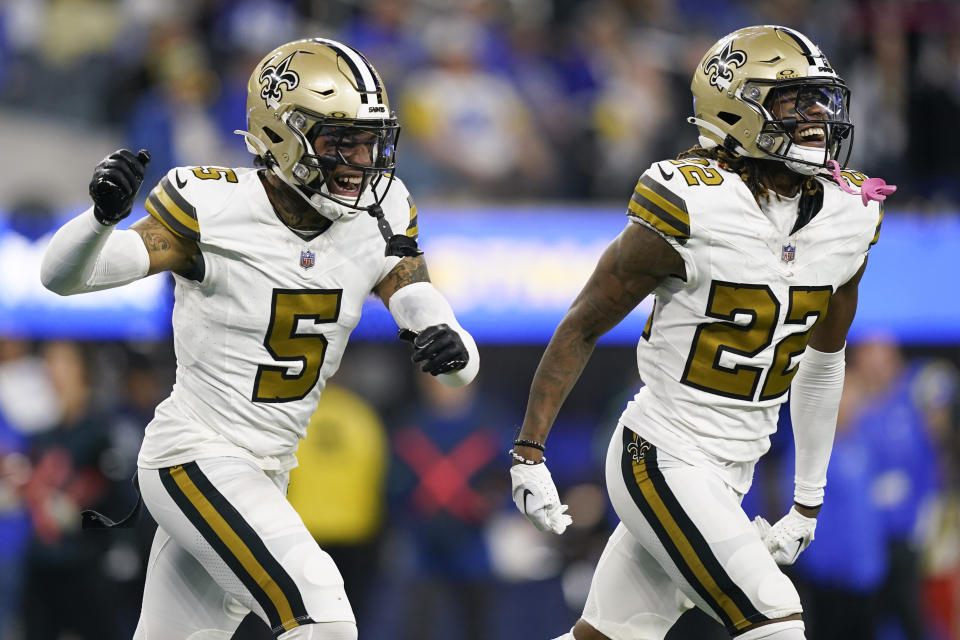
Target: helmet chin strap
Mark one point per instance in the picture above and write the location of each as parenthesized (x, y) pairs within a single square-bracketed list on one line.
[(329, 209), (707, 143), (807, 154), (396, 244), (254, 144), (326, 207)]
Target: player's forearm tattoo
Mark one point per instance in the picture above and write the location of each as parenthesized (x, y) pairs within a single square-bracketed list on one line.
[(155, 242), (561, 366), (615, 288)]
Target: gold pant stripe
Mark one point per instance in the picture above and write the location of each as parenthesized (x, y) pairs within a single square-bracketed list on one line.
[(683, 545), (237, 547)]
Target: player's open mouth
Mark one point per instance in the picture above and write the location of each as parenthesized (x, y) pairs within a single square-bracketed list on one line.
[(346, 185), (812, 136)]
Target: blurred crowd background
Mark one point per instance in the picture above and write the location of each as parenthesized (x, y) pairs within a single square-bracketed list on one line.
[(404, 482), (501, 99)]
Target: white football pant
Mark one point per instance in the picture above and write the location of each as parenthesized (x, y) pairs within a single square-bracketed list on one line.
[(228, 542), (683, 540)]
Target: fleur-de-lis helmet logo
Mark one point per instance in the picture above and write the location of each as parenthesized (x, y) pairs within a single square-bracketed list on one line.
[(274, 78), (719, 66)]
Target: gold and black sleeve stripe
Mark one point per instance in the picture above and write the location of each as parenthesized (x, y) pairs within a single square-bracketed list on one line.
[(660, 208), (876, 234), (413, 229), (173, 211), (238, 544), (678, 534)]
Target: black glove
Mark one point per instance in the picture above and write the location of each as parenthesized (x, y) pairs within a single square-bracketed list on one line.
[(439, 348), (115, 183)]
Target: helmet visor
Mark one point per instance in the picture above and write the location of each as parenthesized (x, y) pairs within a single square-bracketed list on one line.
[(344, 158), (352, 145), (807, 114), (810, 102)]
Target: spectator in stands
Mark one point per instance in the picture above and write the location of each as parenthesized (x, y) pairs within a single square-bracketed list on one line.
[(174, 118), (446, 485), (338, 488), (145, 378), (28, 406), (938, 392), (840, 577), (906, 477), (468, 127), (66, 589)]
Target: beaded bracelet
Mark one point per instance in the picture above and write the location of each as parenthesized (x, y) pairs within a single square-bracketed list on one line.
[(529, 443), (519, 458)]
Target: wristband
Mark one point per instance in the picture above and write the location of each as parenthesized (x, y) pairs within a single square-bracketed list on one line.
[(519, 458), (529, 443)]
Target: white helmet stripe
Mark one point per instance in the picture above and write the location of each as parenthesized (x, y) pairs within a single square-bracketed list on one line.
[(363, 73), (812, 51)]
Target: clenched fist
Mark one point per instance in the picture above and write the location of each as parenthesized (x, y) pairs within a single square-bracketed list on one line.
[(115, 183)]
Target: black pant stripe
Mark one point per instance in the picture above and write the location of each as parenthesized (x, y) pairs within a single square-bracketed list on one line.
[(696, 540), (248, 536)]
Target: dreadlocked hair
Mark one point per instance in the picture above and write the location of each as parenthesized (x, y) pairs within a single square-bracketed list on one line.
[(751, 170)]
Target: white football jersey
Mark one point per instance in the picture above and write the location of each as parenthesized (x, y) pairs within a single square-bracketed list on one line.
[(720, 348), (258, 337)]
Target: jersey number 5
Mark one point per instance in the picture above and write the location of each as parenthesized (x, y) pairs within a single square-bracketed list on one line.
[(286, 343), (713, 339)]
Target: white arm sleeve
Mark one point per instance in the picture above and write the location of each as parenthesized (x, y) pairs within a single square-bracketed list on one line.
[(814, 404), (85, 255), (418, 306)]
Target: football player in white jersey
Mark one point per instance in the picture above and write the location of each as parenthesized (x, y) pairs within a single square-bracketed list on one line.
[(753, 247), (272, 267)]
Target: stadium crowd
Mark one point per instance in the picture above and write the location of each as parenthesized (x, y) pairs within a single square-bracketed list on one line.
[(555, 99), (500, 100)]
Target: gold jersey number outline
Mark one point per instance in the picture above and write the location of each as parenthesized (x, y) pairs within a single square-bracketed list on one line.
[(286, 343), (215, 173), (698, 171), (714, 338)]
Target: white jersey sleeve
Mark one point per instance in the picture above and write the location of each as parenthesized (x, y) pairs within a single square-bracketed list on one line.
[(655, 205)]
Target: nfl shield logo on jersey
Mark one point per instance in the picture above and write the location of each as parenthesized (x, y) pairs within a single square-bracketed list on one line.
[(307, 258), (789, 253)]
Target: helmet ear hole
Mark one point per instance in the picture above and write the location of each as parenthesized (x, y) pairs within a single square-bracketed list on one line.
[(275, 137), (729, 118)]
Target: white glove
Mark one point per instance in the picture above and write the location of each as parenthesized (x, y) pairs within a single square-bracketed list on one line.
[(788, 537), (536, 497)]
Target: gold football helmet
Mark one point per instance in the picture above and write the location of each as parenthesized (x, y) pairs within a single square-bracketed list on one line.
[(318, 116), (759, 88)]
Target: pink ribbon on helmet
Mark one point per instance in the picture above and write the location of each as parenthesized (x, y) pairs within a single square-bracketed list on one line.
[(871, 188)]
